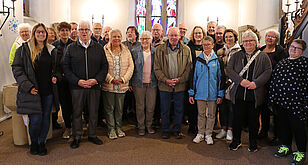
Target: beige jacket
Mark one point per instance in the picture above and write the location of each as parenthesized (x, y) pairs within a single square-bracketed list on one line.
[(127, 68)]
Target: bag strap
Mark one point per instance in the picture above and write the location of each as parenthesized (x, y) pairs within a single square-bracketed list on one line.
[(202, 60), (249, 62)]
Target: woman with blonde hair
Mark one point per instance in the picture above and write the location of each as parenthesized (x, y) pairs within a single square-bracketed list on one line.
[(34, 70)]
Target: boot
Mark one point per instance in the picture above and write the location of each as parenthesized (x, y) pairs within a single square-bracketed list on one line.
[(34, 149), (42, 149)]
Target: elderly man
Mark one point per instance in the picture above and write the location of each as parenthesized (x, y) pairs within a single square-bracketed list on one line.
[(219, 37), (74, 32), (65, 97), (211, 26), (97, 33), (157, 31), (24, 30), (172, 65), (106, 31), (183, 31), (132, 37), (85, 67)]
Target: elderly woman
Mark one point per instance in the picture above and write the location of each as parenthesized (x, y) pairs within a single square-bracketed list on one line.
[(195, 45), (34, 70), (276, 53), (206, 90), (288, 92), (52, 35), (144, 83), (24, 30), (249, 70), (121, 68), (230, 37)]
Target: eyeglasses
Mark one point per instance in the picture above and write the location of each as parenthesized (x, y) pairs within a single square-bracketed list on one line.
[(84, 30), (272, 37), (248, 41), (145, 39), (197, 33), (40, 31), (183, 29), (156, 30), (207, 44), (24, 31), (296, 48), (173, 35)]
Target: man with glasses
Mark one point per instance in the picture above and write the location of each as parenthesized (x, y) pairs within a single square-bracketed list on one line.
[(183, 31), (132, 37), (172, 65), (97, 32), (85, 67), (157, 31)]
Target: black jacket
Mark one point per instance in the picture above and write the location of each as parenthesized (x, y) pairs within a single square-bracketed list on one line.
[(279, 54), (85, 63), (24, 74)]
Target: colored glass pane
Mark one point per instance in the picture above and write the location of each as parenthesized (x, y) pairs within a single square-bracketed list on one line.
[(141, 8), (156, 20), (171, 22), (171, 8), (156, 7), (141, 24)]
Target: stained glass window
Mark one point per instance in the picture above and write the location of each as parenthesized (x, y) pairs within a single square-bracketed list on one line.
[(171, 14), (141, 15)]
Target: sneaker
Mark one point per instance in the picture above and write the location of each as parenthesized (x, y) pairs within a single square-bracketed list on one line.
[(150, 130), (253, 148), (141, 132), (229, 135), (120, 133), (198, 138), (67, 133), (283, 151), (221, 134), (234, 146), (298, 158), (112, 134), (209, 139)]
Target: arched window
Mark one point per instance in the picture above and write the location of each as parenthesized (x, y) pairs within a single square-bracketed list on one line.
[(150, 12)]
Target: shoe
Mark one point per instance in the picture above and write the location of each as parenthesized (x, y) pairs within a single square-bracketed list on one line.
[(112, 134), (274, 142), (165, 135), (209, 139), (253, 148), (262, 135), (178, 135), (199, 138), (120, 133), (234, 146), (67, 133), (298, 158), (229, 135), (150, 130), (221, 134), (34, 149), (95, 140), (282, 151), (75, 143), (42, 149), (141, 132)]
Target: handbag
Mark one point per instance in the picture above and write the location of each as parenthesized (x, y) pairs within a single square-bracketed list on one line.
[(228, 90)]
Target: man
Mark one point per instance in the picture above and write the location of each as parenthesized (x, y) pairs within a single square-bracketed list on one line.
[(65, 97), (219, 37), (172, 65), (183, 31), (74, 32), (97, 32), (85, 67), (106, 31), (157, 31), (211, 26), (132, 37)]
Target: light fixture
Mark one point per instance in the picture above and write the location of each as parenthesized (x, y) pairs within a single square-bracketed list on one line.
[(7, 10)]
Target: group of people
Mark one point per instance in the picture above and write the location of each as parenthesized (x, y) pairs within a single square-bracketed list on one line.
[(90, 72)]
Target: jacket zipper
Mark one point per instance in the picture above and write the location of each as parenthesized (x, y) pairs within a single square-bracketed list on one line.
[(86, 58)]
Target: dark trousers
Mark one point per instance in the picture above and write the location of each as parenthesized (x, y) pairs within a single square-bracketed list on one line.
[(101, 108), (265, 119), (82, 98), (39, 123), (65, 98), (226, 113), (245, 110), (157, 107), (290, 125), (165, 103)]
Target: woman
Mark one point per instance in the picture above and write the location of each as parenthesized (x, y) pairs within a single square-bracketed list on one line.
[(288, 93), (120, 71), (195, 45), (206, 90), (52, 35), (230, 37), (144, 83), (276, 53), (34, 70), (248, 91)]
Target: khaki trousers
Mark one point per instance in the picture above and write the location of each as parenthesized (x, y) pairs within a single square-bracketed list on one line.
[(206, 122)]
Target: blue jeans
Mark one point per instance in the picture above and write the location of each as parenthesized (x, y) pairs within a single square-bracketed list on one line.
[(40, 123), (165, 100)]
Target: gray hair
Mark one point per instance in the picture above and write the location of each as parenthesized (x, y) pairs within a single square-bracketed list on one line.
[(84, 22), (115, 31), (146, 33), (277, 34), (173, 28), (221, 27), (211, 22), (251, 34), (24, 25)]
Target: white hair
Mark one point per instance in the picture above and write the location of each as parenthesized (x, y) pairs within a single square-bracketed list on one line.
[(146, 33), (174, 28), (277, 34), (251, 34), (84, 22), (24, 25), (221, 27)]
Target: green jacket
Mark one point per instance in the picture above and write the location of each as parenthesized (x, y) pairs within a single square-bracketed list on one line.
[(161, 67), (17, 43)]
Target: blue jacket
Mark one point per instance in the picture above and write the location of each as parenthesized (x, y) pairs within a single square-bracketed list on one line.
[(138, 58), (207, 80)]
